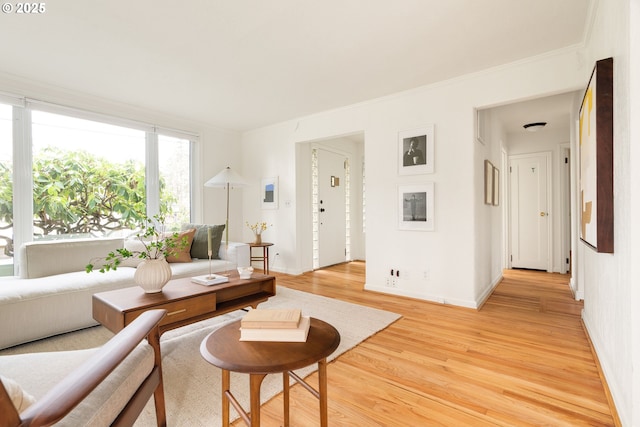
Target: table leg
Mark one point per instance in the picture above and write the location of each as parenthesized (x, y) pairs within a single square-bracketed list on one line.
[(226, 386), (255, 382), (265, 258), (285, 397), (322, 385)]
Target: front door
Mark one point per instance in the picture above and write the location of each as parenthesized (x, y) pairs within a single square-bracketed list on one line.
[(332, 208), (530, 222)]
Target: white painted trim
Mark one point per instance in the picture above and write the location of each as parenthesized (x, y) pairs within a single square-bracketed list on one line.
[(564, 181), (487, 292), (152, 173), (400, 292), (22, 182), (610, 376)]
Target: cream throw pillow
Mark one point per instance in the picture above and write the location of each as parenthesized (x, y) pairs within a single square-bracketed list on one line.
[(20, 398)]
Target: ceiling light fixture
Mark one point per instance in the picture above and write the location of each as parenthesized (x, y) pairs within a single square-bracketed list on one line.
[(534, 127)]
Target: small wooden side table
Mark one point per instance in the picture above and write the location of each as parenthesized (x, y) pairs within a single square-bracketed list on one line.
[(264, 258), (223, 348)]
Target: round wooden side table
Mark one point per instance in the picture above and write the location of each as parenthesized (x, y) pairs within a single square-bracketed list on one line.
[(223, 348)]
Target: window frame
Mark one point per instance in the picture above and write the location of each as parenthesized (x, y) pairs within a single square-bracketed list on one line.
[(23, 161)]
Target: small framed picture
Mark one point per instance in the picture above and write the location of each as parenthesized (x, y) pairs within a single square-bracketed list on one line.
[(496, 186), (269, 193), (416, 207), (416, 151), (488, 182)]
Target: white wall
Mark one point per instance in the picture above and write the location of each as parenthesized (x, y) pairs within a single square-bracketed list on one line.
[(634, 227), (609, 280), (458, 258)]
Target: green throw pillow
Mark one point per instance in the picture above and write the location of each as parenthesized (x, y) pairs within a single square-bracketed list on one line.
[(200, 244)]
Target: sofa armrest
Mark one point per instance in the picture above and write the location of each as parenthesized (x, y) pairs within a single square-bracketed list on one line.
[(75, 387), (236, 253)]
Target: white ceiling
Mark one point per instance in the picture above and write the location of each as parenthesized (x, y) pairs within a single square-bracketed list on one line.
[(554, 110), (242, 64)]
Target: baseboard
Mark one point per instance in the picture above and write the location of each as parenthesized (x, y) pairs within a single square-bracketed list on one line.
[(487, 293), (603, 379), (285, 271), (400, 292)]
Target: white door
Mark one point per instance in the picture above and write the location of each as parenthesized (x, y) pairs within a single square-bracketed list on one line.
[(530, 222), (332, 210)]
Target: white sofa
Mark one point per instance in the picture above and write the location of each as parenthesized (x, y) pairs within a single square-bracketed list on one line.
[(53, 293)]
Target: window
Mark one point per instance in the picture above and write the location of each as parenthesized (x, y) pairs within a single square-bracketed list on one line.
[(175, 188), (88, 177), (92, 175), (6, 190)]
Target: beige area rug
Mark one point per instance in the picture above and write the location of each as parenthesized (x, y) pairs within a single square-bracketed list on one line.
[(192, 386)]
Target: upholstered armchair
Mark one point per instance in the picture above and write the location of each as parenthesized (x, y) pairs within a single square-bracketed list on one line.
[(109, 385)]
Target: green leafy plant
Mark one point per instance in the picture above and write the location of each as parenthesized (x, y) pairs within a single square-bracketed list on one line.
[(156, 245), (79, 193)]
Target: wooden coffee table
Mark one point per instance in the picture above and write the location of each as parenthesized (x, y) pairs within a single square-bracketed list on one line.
[(186, 302), (224, 349)]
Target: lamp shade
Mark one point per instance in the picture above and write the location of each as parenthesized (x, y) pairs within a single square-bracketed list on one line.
[(224, 178)]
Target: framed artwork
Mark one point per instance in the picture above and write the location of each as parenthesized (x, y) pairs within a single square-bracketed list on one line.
[(496, 187), (416, 151), (416, 207), (488, 182), (269, 193), (596, 159)]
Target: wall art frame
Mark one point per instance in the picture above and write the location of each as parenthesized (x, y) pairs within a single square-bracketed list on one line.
[(416, 207), (488, 182), (495, 198), (416, 151), (596, 159), (269, 190)]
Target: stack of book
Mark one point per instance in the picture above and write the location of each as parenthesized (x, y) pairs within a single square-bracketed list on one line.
[(278, 325)]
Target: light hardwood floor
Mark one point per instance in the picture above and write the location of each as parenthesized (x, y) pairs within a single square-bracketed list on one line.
[(523, 359)]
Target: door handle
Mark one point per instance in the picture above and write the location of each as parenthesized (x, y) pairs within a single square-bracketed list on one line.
[(544, 214), (321, 209)]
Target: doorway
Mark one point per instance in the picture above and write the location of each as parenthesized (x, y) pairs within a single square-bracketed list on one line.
[(331, 177), (530, 206), (351, 147)]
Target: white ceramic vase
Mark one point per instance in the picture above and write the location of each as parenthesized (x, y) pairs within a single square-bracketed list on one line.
[(152, 274)]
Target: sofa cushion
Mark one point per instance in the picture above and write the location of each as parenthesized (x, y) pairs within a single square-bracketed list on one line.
[(200, 244), (182, 254), (21, 399)]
